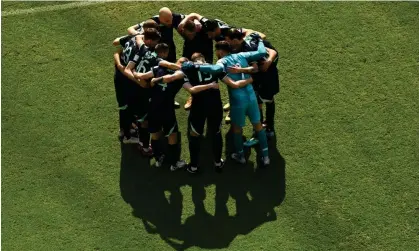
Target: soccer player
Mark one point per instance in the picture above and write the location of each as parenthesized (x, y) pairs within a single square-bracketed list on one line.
[(206, 106), (265, 73), (126, 87), (142, 61), (162, 117), (167, 21), (195, 41), (243, 100), (150, 23)]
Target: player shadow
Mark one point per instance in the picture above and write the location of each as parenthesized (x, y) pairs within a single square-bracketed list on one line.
[(153, 193), (252, 193)]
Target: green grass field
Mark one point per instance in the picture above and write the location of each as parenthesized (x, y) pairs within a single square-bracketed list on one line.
[(347, 143)]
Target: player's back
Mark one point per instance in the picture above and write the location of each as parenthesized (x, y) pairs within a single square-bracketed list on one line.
[(162, 94), (238, 94), (195, 78), (129, 49)]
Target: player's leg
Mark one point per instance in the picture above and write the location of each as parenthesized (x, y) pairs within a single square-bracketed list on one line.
[(267, 93), (215, 118), (130, 136), (154, 128), (170, 129), (188, 50), (260, 134), (142, 124), (238, 116), (196, 121), (121, 99)]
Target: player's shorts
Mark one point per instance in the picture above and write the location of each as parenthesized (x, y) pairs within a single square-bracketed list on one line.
[(266, 85), (138, 101), (210, 112), (120, 89), (162, 121), (247, 108)]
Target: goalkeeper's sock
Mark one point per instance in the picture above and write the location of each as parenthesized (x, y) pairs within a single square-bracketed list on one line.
[(263, 142), (238, 142)]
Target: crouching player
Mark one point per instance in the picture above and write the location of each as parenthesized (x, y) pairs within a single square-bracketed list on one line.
[(243, 100), (162, 118)]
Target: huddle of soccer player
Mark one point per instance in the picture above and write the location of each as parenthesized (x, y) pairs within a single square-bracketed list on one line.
[(148, 77)]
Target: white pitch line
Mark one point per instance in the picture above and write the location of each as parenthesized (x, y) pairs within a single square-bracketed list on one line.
[(48, 8)]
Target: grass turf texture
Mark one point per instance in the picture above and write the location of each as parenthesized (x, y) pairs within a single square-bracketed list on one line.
[(347, 124)]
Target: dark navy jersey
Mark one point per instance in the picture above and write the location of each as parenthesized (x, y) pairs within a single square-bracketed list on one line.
[(163, 94), (166, 32), (129, 49), (224, 27), (195, 78), (144, 59), (251, 42)]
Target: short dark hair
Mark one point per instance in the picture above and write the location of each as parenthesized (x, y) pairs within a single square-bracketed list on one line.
[(189, 26), (234, 33), (162, 47), (211, 25), (198, 57), (151, 34), (150, 23), (224, 46)]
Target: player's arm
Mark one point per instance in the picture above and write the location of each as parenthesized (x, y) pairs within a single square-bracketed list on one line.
[(199, 88), (211, 68), (192, 17), (132, 30), (249, 31), (247, 70), (168, 78), (255, 55), (117, 42), (237, 84), (116, 58), (143, 76), (129, 72), (267, 63), (169, 65)]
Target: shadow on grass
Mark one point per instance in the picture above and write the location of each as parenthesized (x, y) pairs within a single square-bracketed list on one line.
[(156, 199)]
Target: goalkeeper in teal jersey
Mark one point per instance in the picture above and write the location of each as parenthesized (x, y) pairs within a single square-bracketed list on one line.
[(243, 101)]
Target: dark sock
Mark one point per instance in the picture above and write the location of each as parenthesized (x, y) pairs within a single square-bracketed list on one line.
[(126, 122), (121, 123), (217, 147), (173, 154), (270, 114), (194, 149), (156, 145), (144, 137)]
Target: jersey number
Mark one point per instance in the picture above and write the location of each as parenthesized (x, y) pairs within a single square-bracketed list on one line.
[(142, 66), (127, 52), (208, 78)]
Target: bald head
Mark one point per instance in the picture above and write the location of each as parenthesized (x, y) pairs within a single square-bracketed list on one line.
[(165, 16)]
